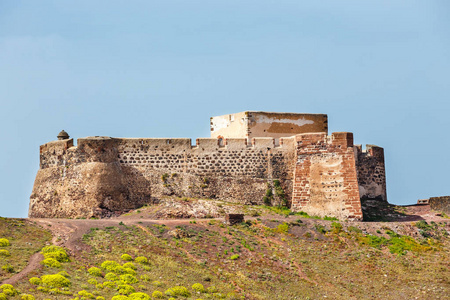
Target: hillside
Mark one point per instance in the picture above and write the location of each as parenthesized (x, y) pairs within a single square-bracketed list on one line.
[(181, 249)]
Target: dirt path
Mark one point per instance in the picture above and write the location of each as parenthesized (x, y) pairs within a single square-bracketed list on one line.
[(33, 264)]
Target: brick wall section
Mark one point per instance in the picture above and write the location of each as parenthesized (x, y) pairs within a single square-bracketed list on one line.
[(325, 179), (371, 172), (440, 204)]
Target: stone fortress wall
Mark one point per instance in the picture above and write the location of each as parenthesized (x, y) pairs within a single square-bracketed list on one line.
[(102, 176)]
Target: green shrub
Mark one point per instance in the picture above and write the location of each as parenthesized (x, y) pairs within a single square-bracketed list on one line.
[(198, 287), (356, 229), (4, 242), (337, 227), (111, 276), (141, 260), (145, 278), (64, 273), (267, 199), (126, 289), (280, 192), (56, 253), (422, 224), (327, 218), (157, 283), (128, 279), (129, 265), (55, 280), (157, 295), (139, 296), (94, 271), (8, 268), (212, 290), (178, 291), (373, 241), (234, 257), (320, 228), (35, 280), (51, 262), (4, 252), (283, 228), (147, 268), (126, 257), (86, 294)]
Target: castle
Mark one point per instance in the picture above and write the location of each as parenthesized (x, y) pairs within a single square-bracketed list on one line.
[(251, 158)]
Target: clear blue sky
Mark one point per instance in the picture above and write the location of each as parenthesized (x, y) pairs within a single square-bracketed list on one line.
[(380, 69)]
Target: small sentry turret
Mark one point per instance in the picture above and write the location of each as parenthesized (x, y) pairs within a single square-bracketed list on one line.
[(63, 135)]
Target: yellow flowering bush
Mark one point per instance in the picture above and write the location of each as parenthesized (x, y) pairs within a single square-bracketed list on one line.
[(94, 271), (4, 252), (64, 273), (198, 287), (56, 280), (86, 294), (110, 265), (56, 253), (51, 262), (157, 295), (109, 284), (126, 257), (111, 276), (9, 290), (129, 279), (35, 280), (126, 289), (4, 242), (129, 265), (119, 297), (141, 260), (139, 296), (178, 291)]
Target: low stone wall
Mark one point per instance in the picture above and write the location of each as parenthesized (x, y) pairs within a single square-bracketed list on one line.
[(440, 204)]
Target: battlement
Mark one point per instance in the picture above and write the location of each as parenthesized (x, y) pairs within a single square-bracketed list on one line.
[(175, 145)]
